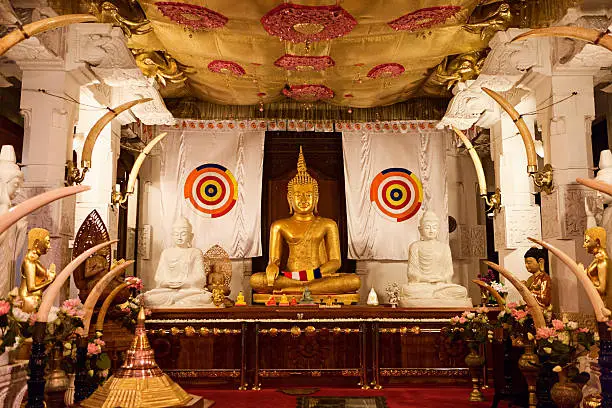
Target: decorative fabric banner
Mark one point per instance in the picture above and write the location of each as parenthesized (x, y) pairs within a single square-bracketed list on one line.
[(390, 180), (213, 178)]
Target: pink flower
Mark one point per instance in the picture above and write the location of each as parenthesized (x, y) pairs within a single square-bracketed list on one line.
[(99, 342), (93, 349), (585, 330), (462, 320), (558, 324), (4, 307), (512, 305), (518, 314), (148, 312), (545, 332), (134, 282), (454, 320)]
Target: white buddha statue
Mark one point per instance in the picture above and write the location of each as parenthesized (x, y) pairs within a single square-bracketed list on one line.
[(430, 271), (599, 209), (180, 276), (12, 241)]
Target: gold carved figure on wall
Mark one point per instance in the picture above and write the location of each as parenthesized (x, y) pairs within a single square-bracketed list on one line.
[(539, 283), (161, 66), (499, 20), (107, 12), (599, 269), (34, 276), (314, 246)]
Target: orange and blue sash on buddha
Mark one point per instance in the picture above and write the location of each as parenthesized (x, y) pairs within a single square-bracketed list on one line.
[(307, 275)]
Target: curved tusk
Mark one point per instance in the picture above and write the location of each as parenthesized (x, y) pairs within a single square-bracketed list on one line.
[(596, 185), (16, 36), (579, 33), (53, 290), (97, 290), (532, 164), (601, 313), (32, 204), (530, 300), (93, 134), (106, 305), (141, 158), (482, 181), (493, 292)]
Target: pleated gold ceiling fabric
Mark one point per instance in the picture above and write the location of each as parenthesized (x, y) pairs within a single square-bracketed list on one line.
[(232, 55)]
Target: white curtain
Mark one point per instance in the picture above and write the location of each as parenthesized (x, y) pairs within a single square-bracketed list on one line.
[(238, 150), (366, 154)]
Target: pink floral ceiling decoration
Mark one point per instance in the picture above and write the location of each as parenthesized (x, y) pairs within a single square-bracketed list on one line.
[(226, 67), (303, 63), (191, 16), (424, 18), (390, 70), (298, 23), (308, 93)]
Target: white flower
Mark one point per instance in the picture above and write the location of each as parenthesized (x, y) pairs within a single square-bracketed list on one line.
[(470, 316), (501, 314), (547, 350), (20, 315), (564, 337), (557, 369), (499, 287), (53, 314), (572, 325)]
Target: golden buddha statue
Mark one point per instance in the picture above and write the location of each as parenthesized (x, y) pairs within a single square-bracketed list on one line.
[(314, 247), (598, 270), (539, 283), (34, 276)]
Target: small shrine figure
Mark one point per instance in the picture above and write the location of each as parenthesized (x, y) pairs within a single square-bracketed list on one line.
[(284, 301), (293, 301), (306, 297), (393, 291), (34, 276), (240, 299), (271, 301), (539, 283), (599, 270)]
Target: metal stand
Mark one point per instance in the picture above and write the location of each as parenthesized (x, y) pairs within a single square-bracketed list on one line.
[(36, 383), (81, 384), (605, 364)]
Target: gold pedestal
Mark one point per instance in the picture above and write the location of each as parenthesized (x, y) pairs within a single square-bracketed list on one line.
[(345, 299)]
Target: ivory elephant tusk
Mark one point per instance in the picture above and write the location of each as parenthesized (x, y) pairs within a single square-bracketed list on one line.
[(601, 313), (93, 134), (141, 158), (32, 204), (97, 290), (107, 302), (532, 164), (53, 290), (500, 300), (596, 185), (579, 33), (482, 181), (29, 30), (530, 300)]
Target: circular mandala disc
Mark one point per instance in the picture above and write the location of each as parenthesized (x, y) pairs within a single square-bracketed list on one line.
[(397, 193), (211, 189)]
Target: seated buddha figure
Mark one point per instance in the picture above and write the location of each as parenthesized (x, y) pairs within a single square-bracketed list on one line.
[(314, 246), (430, 271), (180, 276), (539, 283), (34, 276)]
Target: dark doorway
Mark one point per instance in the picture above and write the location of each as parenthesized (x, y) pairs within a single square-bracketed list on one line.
[(323, 155), (599, 139)]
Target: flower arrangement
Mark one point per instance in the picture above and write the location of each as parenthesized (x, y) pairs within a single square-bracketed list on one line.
[(97, 363), (10, 325), (562, 343), (516, 320), (473, 328), (130, 308)]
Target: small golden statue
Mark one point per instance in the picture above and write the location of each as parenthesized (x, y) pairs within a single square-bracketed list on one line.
[(539, 283), (240, 299), (598, 270), (314, 247), (34, 276)]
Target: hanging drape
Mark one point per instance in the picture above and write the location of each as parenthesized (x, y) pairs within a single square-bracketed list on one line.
[(391, 177), (213, 178)]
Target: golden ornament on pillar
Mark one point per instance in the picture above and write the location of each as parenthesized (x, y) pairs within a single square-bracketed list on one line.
[(34, 276), (139, 382), (314, 246)]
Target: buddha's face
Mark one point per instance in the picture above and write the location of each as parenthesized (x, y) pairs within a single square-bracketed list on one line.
[(43, 245), (181, 237), (590, 244), (532, 265), (13, 186), (429, 230), (304, 200)]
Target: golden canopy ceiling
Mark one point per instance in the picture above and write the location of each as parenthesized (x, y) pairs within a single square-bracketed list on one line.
[(229, 57)]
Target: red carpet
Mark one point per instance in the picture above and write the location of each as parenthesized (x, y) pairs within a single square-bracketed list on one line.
[(397, 397)]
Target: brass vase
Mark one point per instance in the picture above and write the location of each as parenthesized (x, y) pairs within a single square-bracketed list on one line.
[(528, 364), (475, 361), (564, 393)]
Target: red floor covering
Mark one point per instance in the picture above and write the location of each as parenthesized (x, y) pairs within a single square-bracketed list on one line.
[(397, 397)]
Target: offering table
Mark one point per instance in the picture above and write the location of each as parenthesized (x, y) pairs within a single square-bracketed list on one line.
[(246, 345)]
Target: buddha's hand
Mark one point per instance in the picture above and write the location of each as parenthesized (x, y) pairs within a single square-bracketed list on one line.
[(174, 285), (271, 273), (52, 271)]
